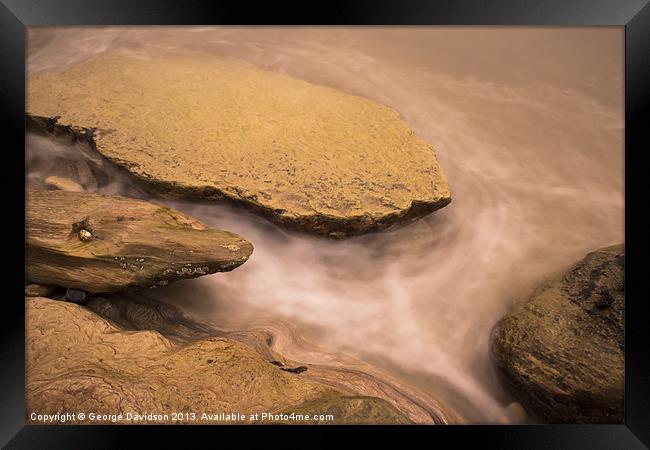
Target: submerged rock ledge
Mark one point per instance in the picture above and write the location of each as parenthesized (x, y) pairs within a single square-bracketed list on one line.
[(306, 157)]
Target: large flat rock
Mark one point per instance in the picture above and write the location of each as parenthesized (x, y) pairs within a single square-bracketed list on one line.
[(101, 243), (79, 362), (305, 156), (562, 348)]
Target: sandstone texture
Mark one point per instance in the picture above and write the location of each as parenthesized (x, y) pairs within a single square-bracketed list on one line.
[(305, 156), (77, 361), (98, 243), (367, 396), (562, 349)]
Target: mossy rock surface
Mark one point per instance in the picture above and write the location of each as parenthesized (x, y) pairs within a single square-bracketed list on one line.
[(562, 349), (80, 362), (305, 156), (100, 243)]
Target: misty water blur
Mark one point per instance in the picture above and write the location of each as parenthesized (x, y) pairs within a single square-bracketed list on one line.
[(528, 126)]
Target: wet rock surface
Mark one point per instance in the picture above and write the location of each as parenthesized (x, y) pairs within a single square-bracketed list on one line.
[(131, 310), (98, 243), (75, 296), (78, 361), (85, 175), (562, 349), (62, 184), (135, 311), (307, 157)]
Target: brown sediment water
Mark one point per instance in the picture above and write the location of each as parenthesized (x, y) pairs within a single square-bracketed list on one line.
[(526, 123)]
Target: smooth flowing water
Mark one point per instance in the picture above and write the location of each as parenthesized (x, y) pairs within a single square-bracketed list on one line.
[(528, 126)]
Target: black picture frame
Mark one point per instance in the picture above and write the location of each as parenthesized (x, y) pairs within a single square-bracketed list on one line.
[(634, 15)]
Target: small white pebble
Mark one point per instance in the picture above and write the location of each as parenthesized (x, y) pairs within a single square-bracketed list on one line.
[(85, 235)]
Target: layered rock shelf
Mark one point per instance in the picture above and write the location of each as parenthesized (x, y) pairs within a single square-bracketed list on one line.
[(99, 243), (77, 361), (307, 157)]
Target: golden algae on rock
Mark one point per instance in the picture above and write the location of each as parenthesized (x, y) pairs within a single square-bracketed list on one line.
[(307, 157)]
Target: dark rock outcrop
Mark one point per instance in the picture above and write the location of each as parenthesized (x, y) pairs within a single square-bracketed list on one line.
[(562, 349)]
